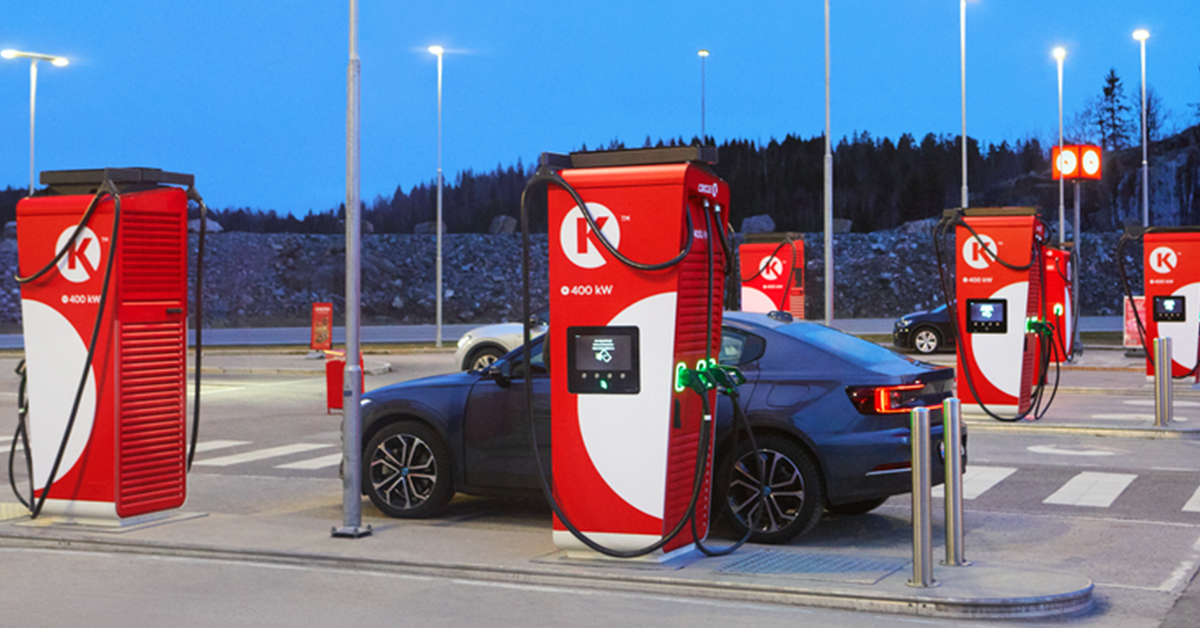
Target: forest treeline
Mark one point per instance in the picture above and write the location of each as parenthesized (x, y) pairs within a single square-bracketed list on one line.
[(878, 184)]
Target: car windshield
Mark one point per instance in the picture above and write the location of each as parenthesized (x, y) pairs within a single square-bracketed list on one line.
[(848, 347)]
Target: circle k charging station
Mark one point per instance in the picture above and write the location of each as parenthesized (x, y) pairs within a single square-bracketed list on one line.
[(104, 277), (999, 296), (1172, 289), (772, 273), (637, 272)]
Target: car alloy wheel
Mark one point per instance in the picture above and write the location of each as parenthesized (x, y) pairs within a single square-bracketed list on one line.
[(926, 340), (481, 359), (406, 470), (787, 505)]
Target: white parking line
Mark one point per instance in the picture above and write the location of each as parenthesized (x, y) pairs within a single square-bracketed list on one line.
[(1097, 490), (1178, 403), (210, 445), (1193, 504), (977, 480), (1135, 417), (259, 454), (314, 463)]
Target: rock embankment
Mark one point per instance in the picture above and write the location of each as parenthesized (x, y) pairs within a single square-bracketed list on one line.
[(273, 279)]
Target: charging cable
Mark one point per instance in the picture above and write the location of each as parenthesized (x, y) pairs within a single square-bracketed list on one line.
[(694, 379)]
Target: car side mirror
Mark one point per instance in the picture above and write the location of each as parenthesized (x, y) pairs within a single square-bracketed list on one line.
[(501, 371)]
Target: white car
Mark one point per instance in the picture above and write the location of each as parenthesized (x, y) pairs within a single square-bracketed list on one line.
[(479, 347)]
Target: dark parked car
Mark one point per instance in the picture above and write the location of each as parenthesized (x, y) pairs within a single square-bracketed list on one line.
[(925, 331), (829, 411)]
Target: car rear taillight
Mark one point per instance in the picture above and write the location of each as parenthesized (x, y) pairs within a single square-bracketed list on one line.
[(887, 399)]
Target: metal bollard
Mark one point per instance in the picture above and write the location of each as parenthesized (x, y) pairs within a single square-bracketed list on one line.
[(922, 526), (1163, 401), (952, 438)]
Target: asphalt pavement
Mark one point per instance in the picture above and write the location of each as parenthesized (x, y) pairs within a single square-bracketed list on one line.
[(517, 549)]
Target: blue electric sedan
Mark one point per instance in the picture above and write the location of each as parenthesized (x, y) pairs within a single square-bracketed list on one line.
[(830, 414)]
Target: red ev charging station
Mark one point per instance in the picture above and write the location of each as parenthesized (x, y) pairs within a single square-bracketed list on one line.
[(1060, 302), (624, 434), (998, 352), (1172, 284), (772, 273), (125, 457)]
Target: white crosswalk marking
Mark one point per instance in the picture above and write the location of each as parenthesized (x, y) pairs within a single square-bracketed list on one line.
[(5, 439), (1097, 490), (259, 454), (1193, 504), (210, 445), (314, 463), (977, 480)]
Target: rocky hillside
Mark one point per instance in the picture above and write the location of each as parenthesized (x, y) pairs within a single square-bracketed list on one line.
[(272, 279)]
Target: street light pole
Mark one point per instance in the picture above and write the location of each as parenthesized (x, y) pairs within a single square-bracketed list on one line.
[(1142, 35), (962, 28), (703, 135), (439, 52), (33, 57), (828, 187), (352, 399), (1060, 54)]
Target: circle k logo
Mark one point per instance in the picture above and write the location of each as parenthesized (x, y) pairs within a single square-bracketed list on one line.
[(579, 243), (973, 251), (82, 258), (770, 268), (1163, 260)]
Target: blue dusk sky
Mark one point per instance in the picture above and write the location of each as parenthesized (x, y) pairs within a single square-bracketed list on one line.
[(251, 96)]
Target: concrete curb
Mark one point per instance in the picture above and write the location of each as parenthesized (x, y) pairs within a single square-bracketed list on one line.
[(950, 598), (1033, 427), (378, 368)]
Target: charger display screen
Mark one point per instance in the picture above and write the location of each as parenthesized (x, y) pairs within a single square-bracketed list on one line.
[(987, 316), (1170, 309), (603, 360)]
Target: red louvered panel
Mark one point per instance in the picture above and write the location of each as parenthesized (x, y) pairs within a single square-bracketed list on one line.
[(151, 418)]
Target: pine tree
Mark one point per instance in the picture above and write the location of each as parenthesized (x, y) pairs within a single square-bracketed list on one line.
[(1114, 114)]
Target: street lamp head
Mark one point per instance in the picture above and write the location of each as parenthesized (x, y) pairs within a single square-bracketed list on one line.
[(703, 52), (437, 50), (1141, 34), (36, 56), (1060, 53)]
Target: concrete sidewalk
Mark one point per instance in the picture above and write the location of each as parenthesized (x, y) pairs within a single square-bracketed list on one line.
[(514, 547)]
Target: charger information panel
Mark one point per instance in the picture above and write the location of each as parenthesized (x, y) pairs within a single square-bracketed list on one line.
[(1170, 309), (603, 360), (986, 316)]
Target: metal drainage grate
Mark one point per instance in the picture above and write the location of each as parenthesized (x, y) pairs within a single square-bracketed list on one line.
[(830, 567)]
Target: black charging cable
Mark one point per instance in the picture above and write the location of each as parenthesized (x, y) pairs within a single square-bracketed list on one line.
[(544, 177), (199, 318), (21, 436), (728, 381), (36, 505), (22, 433), (951, 219)]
